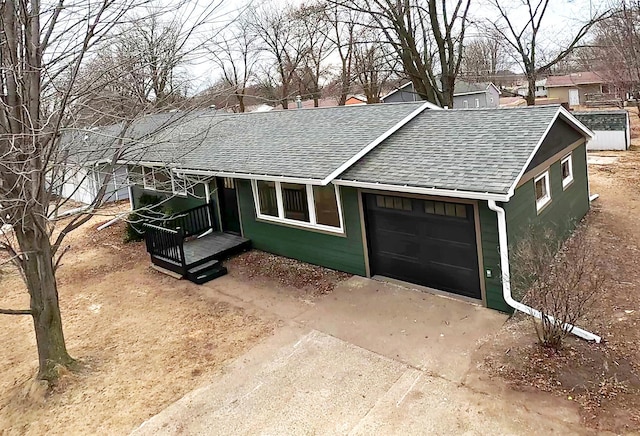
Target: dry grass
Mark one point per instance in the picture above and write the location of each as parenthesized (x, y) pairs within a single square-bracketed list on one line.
[(145, 340), (603, 379)]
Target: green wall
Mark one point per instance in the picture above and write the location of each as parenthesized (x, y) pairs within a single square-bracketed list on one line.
[(566, 209), (344, 253), (179, 203), (567, 206)]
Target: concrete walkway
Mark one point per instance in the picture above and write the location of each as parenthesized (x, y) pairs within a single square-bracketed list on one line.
[(370, 358)]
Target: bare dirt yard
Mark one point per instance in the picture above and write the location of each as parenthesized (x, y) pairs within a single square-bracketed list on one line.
[(603, 379), (145, 340)]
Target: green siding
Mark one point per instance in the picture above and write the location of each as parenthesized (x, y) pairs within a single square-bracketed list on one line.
[(331, 251), (491, 257), (567, 207)]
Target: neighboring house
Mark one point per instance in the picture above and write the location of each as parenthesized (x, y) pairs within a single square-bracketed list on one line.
[(356, 99), (611, 129), (541, 89), (576, 88), (466, 95), (396, 190)]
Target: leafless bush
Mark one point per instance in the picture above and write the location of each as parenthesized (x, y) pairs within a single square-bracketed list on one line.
[(561, 279)]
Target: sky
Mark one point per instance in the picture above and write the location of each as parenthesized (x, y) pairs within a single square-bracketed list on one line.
[(562, 19)]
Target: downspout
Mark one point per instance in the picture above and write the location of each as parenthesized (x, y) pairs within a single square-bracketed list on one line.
[(506, 281)]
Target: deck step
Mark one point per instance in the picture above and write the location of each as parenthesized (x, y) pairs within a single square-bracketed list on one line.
[(206, 272)]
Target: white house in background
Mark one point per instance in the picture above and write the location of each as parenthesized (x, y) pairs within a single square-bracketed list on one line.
[(82, 183), (541, 88), (466, 95), (611, 128)]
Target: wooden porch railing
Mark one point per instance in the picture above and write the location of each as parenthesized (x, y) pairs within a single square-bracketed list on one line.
[(194, 221), (165, 243)]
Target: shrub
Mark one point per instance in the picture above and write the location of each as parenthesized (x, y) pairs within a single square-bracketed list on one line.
[(148, 209), (560, 279)]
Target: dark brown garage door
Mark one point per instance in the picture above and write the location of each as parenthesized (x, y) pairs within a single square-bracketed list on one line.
[(430, 243)]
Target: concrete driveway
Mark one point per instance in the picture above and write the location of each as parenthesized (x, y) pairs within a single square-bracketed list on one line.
[(371, 358)]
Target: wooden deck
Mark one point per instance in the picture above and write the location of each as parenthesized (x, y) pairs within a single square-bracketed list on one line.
[(217, 245)]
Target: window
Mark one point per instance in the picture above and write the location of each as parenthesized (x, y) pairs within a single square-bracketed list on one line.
[(311, 206), (477, 102), (178, 184), (566, 165), (465, 104), (447, 209), (491, 100), (326, 205), (399, 203), (268, 198), (157, 179), (294, 200), (543, 193)]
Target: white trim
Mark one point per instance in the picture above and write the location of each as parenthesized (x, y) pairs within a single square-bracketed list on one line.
[(280, 219), (566, 181), (250, 176), (503, 244), (355, 158), (546, 199), (453, 193), (465, 104), (477, 103), (174, 177), (571, 120)]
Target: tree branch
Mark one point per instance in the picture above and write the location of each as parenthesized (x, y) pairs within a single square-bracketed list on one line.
[(15, 312)]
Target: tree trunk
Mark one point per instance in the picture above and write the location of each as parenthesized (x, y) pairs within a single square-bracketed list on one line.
[(41, 284), (531, 93)]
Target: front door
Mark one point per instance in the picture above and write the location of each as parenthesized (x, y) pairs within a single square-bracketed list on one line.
[(228, 200), (574, 97)]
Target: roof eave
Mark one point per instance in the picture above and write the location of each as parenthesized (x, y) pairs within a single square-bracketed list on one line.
[(452, 193)]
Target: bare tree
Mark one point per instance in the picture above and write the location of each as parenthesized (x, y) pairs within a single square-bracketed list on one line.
[(483, 58), (236, 57), (427, 37), (342, 33), (373, 66), (615, 51), (314, 30), (42, 51), (524, 39), (561, 279), (282, 41)]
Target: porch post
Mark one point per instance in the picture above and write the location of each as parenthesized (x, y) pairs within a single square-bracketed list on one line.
[(181, 248), (207, 194)]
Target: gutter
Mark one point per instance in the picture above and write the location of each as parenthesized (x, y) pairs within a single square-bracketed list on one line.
[(506, 281)]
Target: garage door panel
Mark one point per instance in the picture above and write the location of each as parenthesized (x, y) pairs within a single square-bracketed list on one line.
[(432, 244)]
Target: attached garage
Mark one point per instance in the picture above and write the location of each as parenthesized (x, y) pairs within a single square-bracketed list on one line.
[(422, 241)]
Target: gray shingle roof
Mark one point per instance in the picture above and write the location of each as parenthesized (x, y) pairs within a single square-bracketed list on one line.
[(603, 120), (305, 143), (469, 150)]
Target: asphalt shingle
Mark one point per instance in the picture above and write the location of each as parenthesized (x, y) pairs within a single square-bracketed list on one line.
[(470, 150)]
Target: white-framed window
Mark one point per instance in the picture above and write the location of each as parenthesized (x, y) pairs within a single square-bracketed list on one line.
[(163, 180), (477, 102), (310, 206), (566, 166), (543, 190), (465, 104), (179, 184), (490, 99)]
